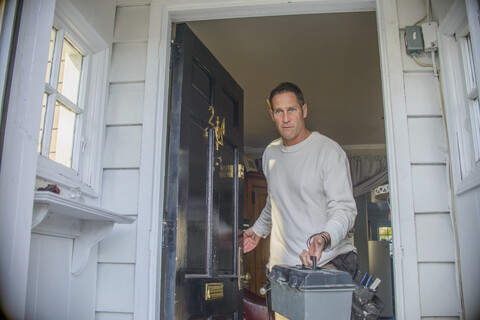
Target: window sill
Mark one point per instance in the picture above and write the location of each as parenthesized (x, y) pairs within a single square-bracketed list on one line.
[(87, 225)]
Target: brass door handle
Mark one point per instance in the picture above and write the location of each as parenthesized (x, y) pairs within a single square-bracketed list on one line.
[(247, 277)]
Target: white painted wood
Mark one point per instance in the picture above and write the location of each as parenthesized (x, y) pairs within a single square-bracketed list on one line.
[(92, 232), (122, 147), (120, 245), (69, 218), (131, 23), (409, 12), (19, 155), (77, 209), (466, 182), (439, 290), (95, 120), (82, 290), (115, 287), (467, 213), (8, 20), (132, 2), (202, 10), (48, 265), (113, 316), (422, 95), (153, 164), (128, 62), (407, 295), (52, 292), (427, 140), (100, 15), (435, 237), (125, 103), (67, 16), (430, 188), (120, 190)]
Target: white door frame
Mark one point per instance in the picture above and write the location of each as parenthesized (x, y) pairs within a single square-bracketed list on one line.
[(165, 12)]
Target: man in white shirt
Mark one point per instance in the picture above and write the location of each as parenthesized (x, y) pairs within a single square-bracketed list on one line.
[(310, 206)]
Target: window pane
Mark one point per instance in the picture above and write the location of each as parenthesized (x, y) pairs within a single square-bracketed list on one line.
[(469, 67), (385, 233), (70, 70), (42, 124), (50, 55), (63, 131)]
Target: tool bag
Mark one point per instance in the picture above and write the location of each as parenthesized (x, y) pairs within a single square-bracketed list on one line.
[(366, 305)]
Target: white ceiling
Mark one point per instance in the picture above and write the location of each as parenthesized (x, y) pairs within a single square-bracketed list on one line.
[(332, 57)]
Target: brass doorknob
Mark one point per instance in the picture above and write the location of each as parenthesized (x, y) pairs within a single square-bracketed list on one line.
[(247, 276)]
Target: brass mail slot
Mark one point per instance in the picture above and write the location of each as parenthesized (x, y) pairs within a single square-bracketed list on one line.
[(213, 291), (226, 171)]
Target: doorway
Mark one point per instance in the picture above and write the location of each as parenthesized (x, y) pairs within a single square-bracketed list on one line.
[(344, 86), (333, 58)]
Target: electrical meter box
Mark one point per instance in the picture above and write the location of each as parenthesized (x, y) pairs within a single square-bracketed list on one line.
[(300, 292), (413, 40)]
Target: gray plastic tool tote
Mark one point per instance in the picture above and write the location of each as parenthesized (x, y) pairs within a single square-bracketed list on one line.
[(302, 293)]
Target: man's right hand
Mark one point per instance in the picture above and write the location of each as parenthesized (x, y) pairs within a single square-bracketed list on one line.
[(250, 240)]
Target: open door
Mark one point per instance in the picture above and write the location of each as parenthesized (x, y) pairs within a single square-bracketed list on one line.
[(202, 260)]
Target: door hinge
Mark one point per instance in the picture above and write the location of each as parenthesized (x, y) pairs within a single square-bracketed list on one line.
[(168, 229), (174, 53)]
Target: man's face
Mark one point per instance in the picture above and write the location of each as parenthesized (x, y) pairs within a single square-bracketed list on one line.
[(289, 118)]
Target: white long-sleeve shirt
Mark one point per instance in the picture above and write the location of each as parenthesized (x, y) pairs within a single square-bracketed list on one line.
[(309, 191)]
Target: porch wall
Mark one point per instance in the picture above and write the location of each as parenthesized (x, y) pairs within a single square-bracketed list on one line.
[(437, 275), (117, 254), (121, 276)]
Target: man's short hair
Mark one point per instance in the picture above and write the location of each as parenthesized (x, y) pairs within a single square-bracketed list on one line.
[(288, 87)]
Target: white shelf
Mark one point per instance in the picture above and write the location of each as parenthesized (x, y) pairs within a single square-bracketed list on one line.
[(56, 215)]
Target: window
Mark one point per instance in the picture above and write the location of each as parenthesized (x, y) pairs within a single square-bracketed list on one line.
[(61, 111), (385, 233), (471, 91), (71, 127), (460, 70)]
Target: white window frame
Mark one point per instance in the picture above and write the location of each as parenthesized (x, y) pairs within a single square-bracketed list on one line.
[(86, 164), (465, 155)]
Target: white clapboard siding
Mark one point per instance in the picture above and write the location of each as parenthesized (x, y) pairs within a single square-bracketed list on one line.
[(127, 31), (122, 147), (438, 289), (125, 103), (119, 246), (117, 253), (427, 140), (128, 62), (120, 191), (437, 275), (435, 237), (115, 287), (430, 188), (422, 95), (53, 292)]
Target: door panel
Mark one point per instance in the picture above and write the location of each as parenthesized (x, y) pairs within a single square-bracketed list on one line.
[(201, 256)]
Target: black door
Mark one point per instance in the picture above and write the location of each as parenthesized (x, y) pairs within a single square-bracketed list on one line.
[(201, 257)]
